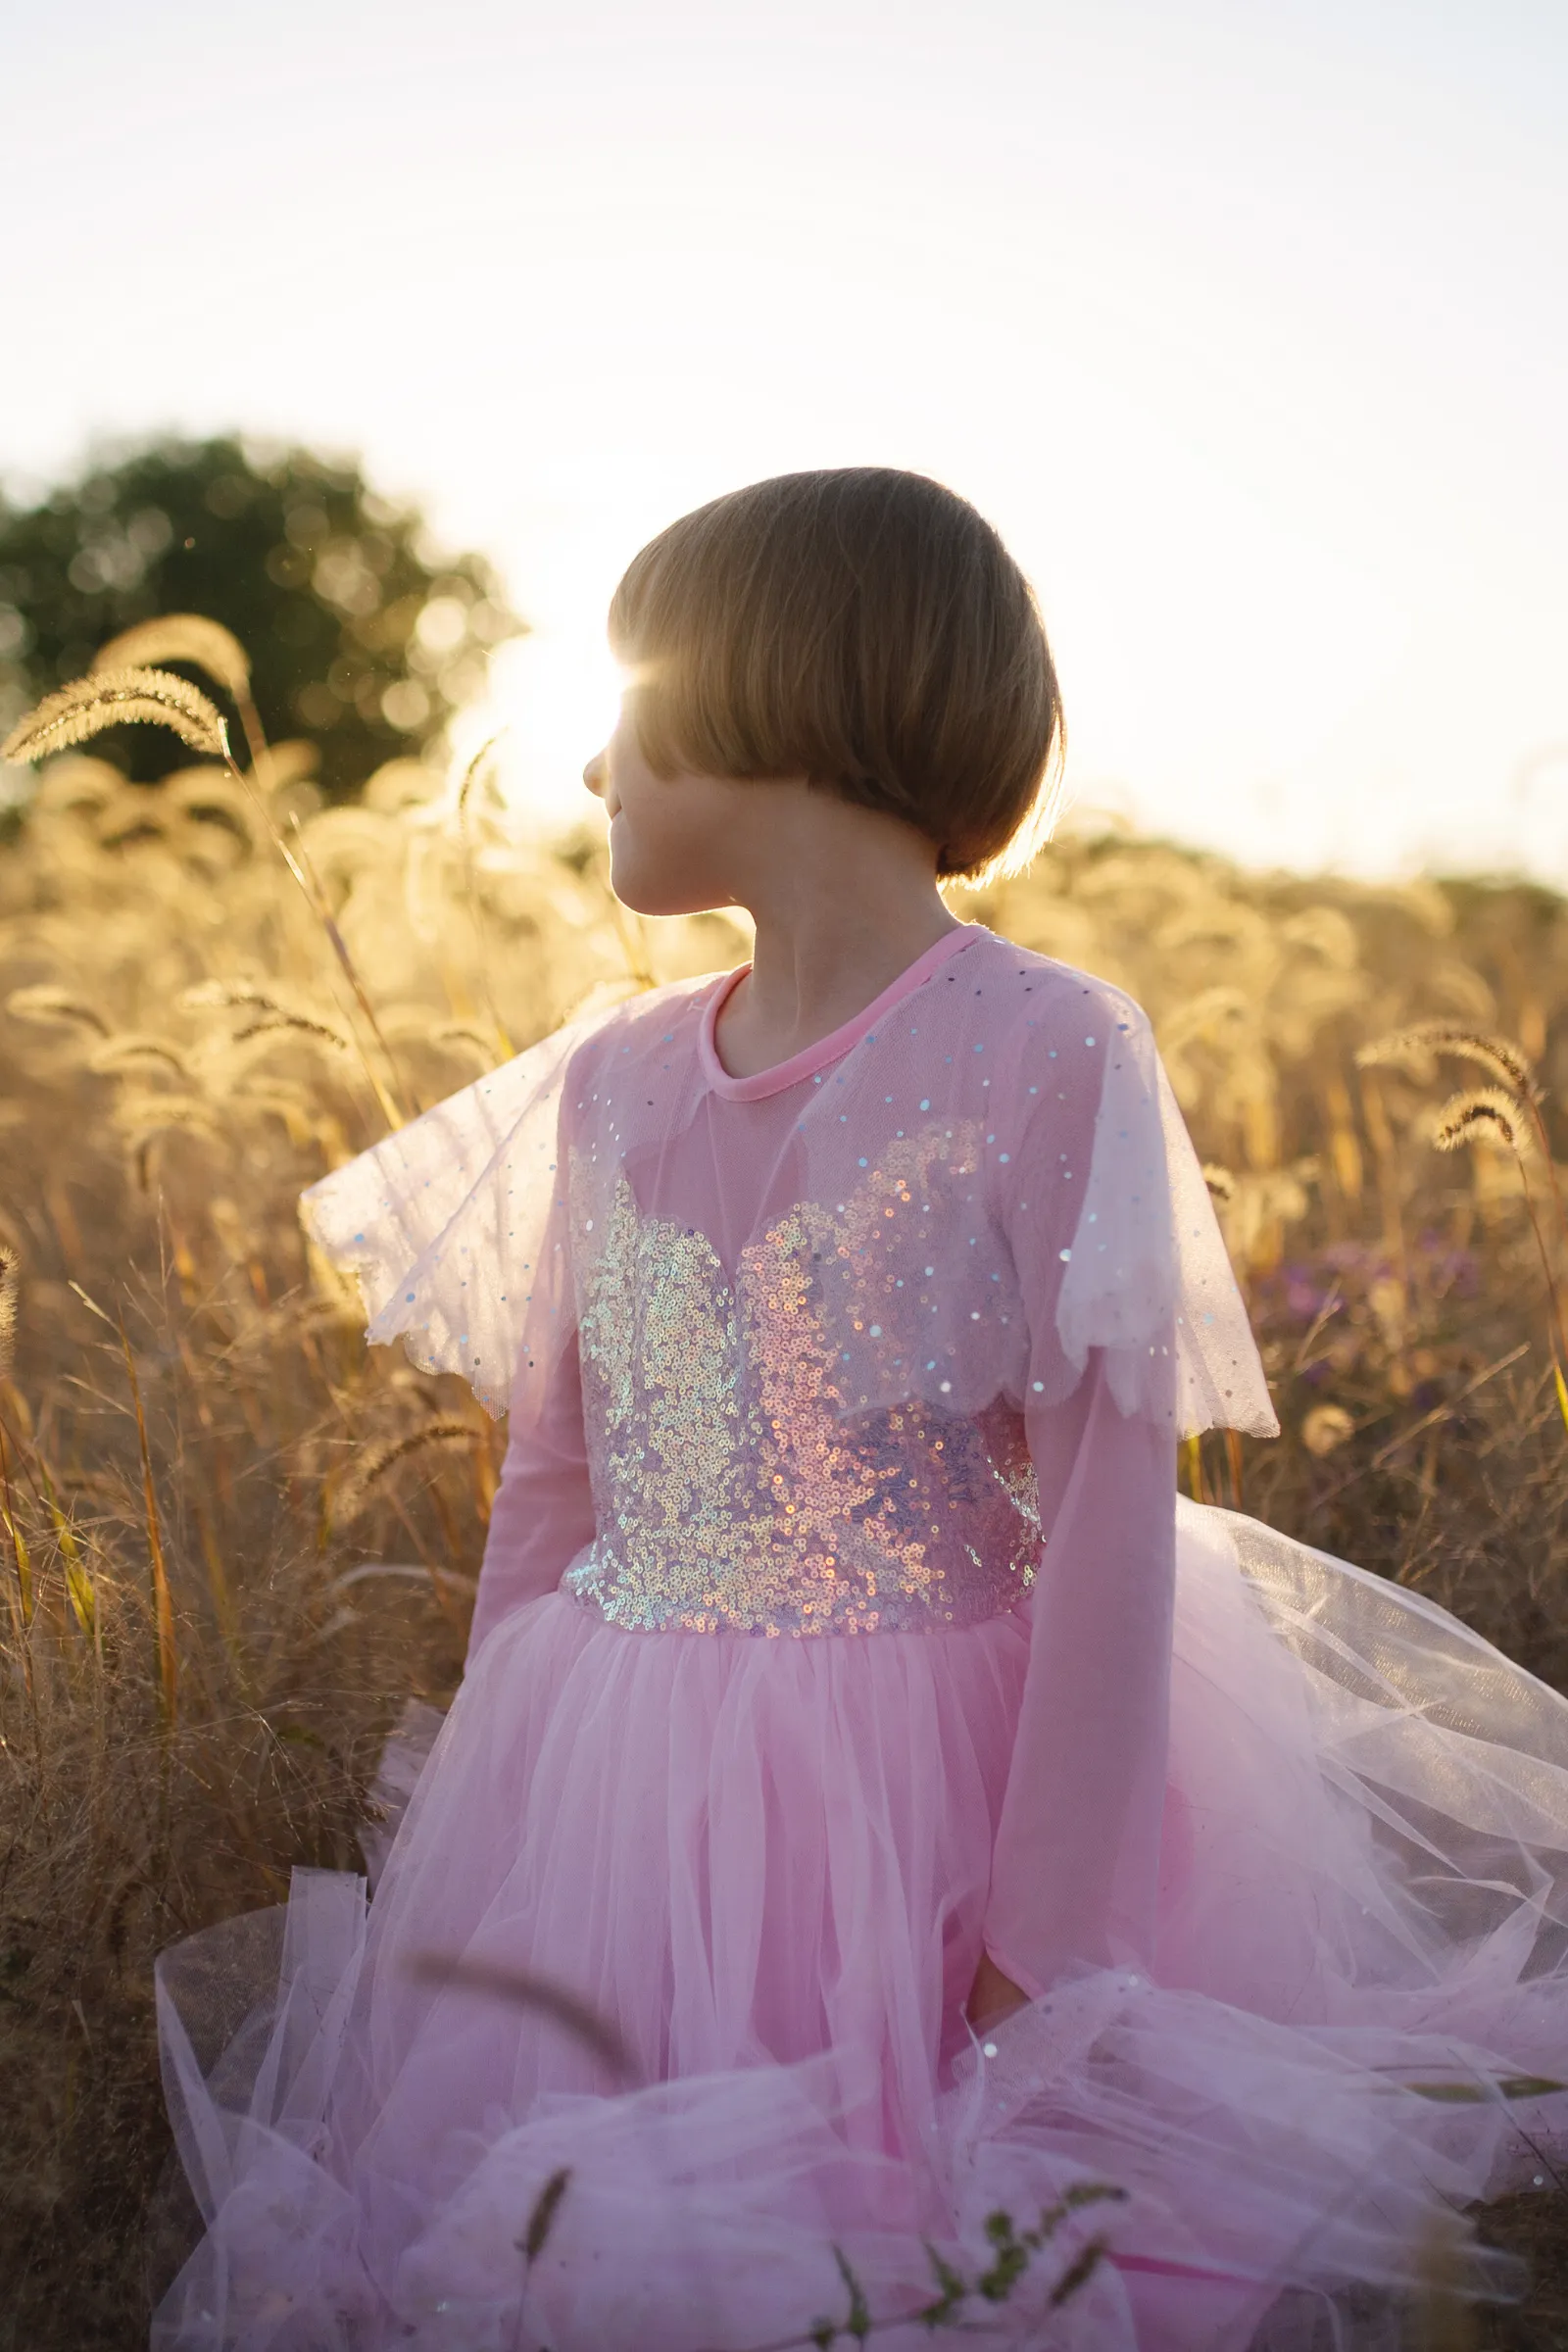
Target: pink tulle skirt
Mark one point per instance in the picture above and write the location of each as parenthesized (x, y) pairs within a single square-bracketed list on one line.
[(652, 2036)]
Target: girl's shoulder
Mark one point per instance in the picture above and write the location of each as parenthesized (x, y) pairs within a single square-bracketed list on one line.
[(663, 1021), (1028, 991)]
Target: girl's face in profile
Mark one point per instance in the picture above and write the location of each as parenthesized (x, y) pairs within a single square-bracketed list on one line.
[(668, 836)]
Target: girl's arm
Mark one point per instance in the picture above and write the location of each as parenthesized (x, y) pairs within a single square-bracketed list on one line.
[(543, 1513), (1095, 1244), (1077, 1851)]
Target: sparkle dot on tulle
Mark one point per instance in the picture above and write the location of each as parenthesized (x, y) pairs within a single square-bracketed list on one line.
[(1064, 1255)]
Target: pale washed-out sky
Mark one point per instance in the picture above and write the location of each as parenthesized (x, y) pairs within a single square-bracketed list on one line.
[(1245, 320)]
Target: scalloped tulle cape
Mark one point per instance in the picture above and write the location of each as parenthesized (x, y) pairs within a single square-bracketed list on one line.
[(763, 1863)]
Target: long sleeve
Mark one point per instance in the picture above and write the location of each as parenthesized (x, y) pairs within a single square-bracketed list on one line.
[(1089, 1215), (543, 1513), (1077, 1852)]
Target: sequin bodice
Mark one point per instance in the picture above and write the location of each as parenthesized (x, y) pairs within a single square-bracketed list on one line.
[(729, 1496)]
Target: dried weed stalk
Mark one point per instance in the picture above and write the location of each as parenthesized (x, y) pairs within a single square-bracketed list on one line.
[(118, 697)]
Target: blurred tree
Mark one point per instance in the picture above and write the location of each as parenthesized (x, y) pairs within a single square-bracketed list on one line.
[(362, 633)]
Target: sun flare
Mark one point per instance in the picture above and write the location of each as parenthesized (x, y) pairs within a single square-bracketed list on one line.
[(556, 693)]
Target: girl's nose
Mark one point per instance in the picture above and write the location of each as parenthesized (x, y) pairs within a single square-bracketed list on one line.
[(593, 775)]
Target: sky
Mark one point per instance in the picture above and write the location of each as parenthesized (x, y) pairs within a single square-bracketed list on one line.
[(1245, 320)]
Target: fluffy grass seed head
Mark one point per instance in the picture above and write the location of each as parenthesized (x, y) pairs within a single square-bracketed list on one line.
[(10, 1282), (369, 1472), (1484, 1114), (137, 1051), (116, 698), (279, 1023), (47, 1003), (179, 637), (1412, 1049), (232, 995)]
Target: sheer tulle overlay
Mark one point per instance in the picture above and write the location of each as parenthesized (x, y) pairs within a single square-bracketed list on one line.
[(765, 1863), (837, 1626)]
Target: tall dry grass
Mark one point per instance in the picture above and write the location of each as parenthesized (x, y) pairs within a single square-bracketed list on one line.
[(231, 1545)]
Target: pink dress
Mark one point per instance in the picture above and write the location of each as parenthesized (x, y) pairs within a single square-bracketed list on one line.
[(837, 1622)]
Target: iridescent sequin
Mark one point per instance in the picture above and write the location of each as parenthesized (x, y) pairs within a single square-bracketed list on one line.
[(729, 1494)]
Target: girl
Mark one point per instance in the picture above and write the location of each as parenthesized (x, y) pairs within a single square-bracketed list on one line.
[(883, 1837)]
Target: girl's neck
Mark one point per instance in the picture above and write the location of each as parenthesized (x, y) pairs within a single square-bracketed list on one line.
[(827, 946)]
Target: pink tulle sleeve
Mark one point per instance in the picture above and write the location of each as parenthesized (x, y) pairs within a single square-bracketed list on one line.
[(1077, 1851), (1076, 1859), (543, 1513)]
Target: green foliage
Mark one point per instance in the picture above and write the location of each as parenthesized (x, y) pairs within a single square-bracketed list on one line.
[(364, 636)]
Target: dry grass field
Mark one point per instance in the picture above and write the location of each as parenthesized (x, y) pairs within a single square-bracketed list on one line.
[(232, 1544)]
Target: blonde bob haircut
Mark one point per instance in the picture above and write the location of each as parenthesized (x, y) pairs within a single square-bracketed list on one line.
[(864, 628)]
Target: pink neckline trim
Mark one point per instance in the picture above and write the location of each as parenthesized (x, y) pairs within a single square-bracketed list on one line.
[(811, 1058)]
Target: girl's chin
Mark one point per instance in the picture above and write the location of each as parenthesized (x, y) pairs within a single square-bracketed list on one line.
[(643, 894)]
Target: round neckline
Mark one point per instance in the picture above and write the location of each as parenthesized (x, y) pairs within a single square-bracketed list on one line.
[(811, 1058)]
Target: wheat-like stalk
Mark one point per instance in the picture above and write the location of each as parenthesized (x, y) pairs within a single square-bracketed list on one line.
[(133, 1049), (369, 1472), (142, 1118), (227, 993), (46, 1003), (275, 1017), (1510, 1116), (477, 768), (129, 811), (464, 1033), (192, 637), (1484, 1114), (116, 698), (158, 697), (201, 793), (10, 1284), (1496, 1116), (136, 1113), (179, 637), (277, 1023), (264, 1098), (1412, 1049)]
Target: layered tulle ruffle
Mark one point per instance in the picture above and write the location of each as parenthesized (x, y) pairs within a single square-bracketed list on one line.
[(762, 1864)]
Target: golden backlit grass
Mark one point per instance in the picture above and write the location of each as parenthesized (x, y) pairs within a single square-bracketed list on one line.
[(231, 1545)]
